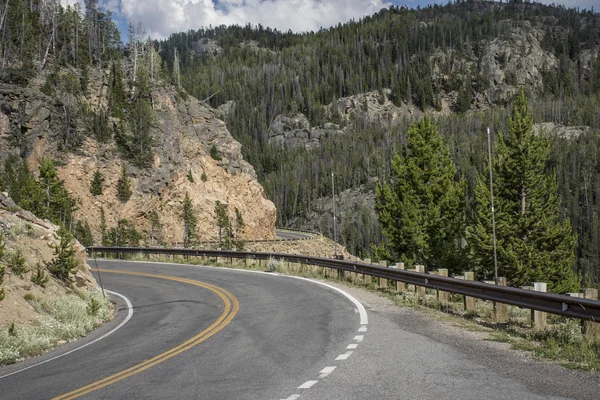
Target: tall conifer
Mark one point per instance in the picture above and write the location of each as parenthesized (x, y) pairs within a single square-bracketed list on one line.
[(535, 241), (420, 208)]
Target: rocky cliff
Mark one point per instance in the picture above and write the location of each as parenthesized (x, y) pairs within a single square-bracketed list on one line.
[(184, 130)]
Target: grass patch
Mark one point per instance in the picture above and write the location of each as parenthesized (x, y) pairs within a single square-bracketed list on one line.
[(63, 318)]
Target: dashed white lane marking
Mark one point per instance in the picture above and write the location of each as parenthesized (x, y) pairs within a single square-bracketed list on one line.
[(352, 346), (292, 397), (344, 356), (129, 315), (307, 385), (326, 371), (359, 338), (362, 329)]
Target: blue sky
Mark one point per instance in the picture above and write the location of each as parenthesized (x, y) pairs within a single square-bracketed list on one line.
[(163, 17)]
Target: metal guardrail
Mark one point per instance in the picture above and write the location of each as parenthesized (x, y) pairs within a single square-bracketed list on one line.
[(567, 306)]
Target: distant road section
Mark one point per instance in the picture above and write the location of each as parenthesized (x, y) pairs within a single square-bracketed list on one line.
[(283, 234)]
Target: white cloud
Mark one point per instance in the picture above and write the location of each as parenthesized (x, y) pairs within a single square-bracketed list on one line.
[(162, 17)]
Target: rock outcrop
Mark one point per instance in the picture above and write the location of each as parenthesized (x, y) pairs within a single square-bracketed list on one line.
[(185, 132)]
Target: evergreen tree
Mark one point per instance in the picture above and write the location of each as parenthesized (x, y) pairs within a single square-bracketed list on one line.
[(156, 227), (464, 99), (535, 242), (65, 260), (96, 184), (59, 206), (124, 186), (420, 209), (103, 232), (190, 222), (222, 222), (2, 266), (83, 233)]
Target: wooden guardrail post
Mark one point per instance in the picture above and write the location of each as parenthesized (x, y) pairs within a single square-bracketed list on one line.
[(420, 289), (367, 278), (500, 309), (382, 283), (469, 301), (400, 286), (591, 329), (538, 318), (443, 296)]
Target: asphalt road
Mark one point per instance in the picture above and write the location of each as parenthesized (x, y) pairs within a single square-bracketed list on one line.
[(283, 333), (283, 234), (207, 333)]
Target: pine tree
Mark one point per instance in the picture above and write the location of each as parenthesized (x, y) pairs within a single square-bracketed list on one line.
[(156, 227), (420, 209), (535, 242), (59, 206), (2, 266), (190, 222), (124, 186), (103, 227), (65, 261), (96, 184), (222, 221)]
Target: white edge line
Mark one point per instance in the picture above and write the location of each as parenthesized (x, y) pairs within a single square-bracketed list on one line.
[(364, 320), (129, 315)]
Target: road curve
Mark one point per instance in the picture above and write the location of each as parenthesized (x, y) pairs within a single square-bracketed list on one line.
[(283, 332), (283, 234)]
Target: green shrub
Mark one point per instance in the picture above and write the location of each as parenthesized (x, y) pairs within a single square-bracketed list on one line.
[(12, 331), (273, 265), (93, 306), (215, 153), (190, 177), (16, 263), (29, 296), (203, 177), (65, 262), (40, 277)]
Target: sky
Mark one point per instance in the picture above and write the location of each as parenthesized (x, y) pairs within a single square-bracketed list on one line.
[(163, 17)]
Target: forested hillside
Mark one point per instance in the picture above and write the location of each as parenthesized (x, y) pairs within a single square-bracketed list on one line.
[(342, 99)]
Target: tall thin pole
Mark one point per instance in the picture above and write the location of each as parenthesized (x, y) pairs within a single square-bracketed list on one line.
[(334, 211), (492, 202)]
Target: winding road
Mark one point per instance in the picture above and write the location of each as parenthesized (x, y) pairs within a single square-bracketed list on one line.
[(283, 234), (215, 333)]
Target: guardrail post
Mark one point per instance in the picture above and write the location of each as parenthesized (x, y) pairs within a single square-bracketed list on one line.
[(443, 296), (382, 283), (420, 289), (367, 278), (591, 329), (500, 309), (469, 301), (538, 318), (400, 286)]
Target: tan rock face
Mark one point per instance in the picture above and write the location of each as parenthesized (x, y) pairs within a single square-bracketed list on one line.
[(185, 131)]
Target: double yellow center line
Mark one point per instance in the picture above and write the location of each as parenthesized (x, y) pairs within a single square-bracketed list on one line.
[(231, 309)]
